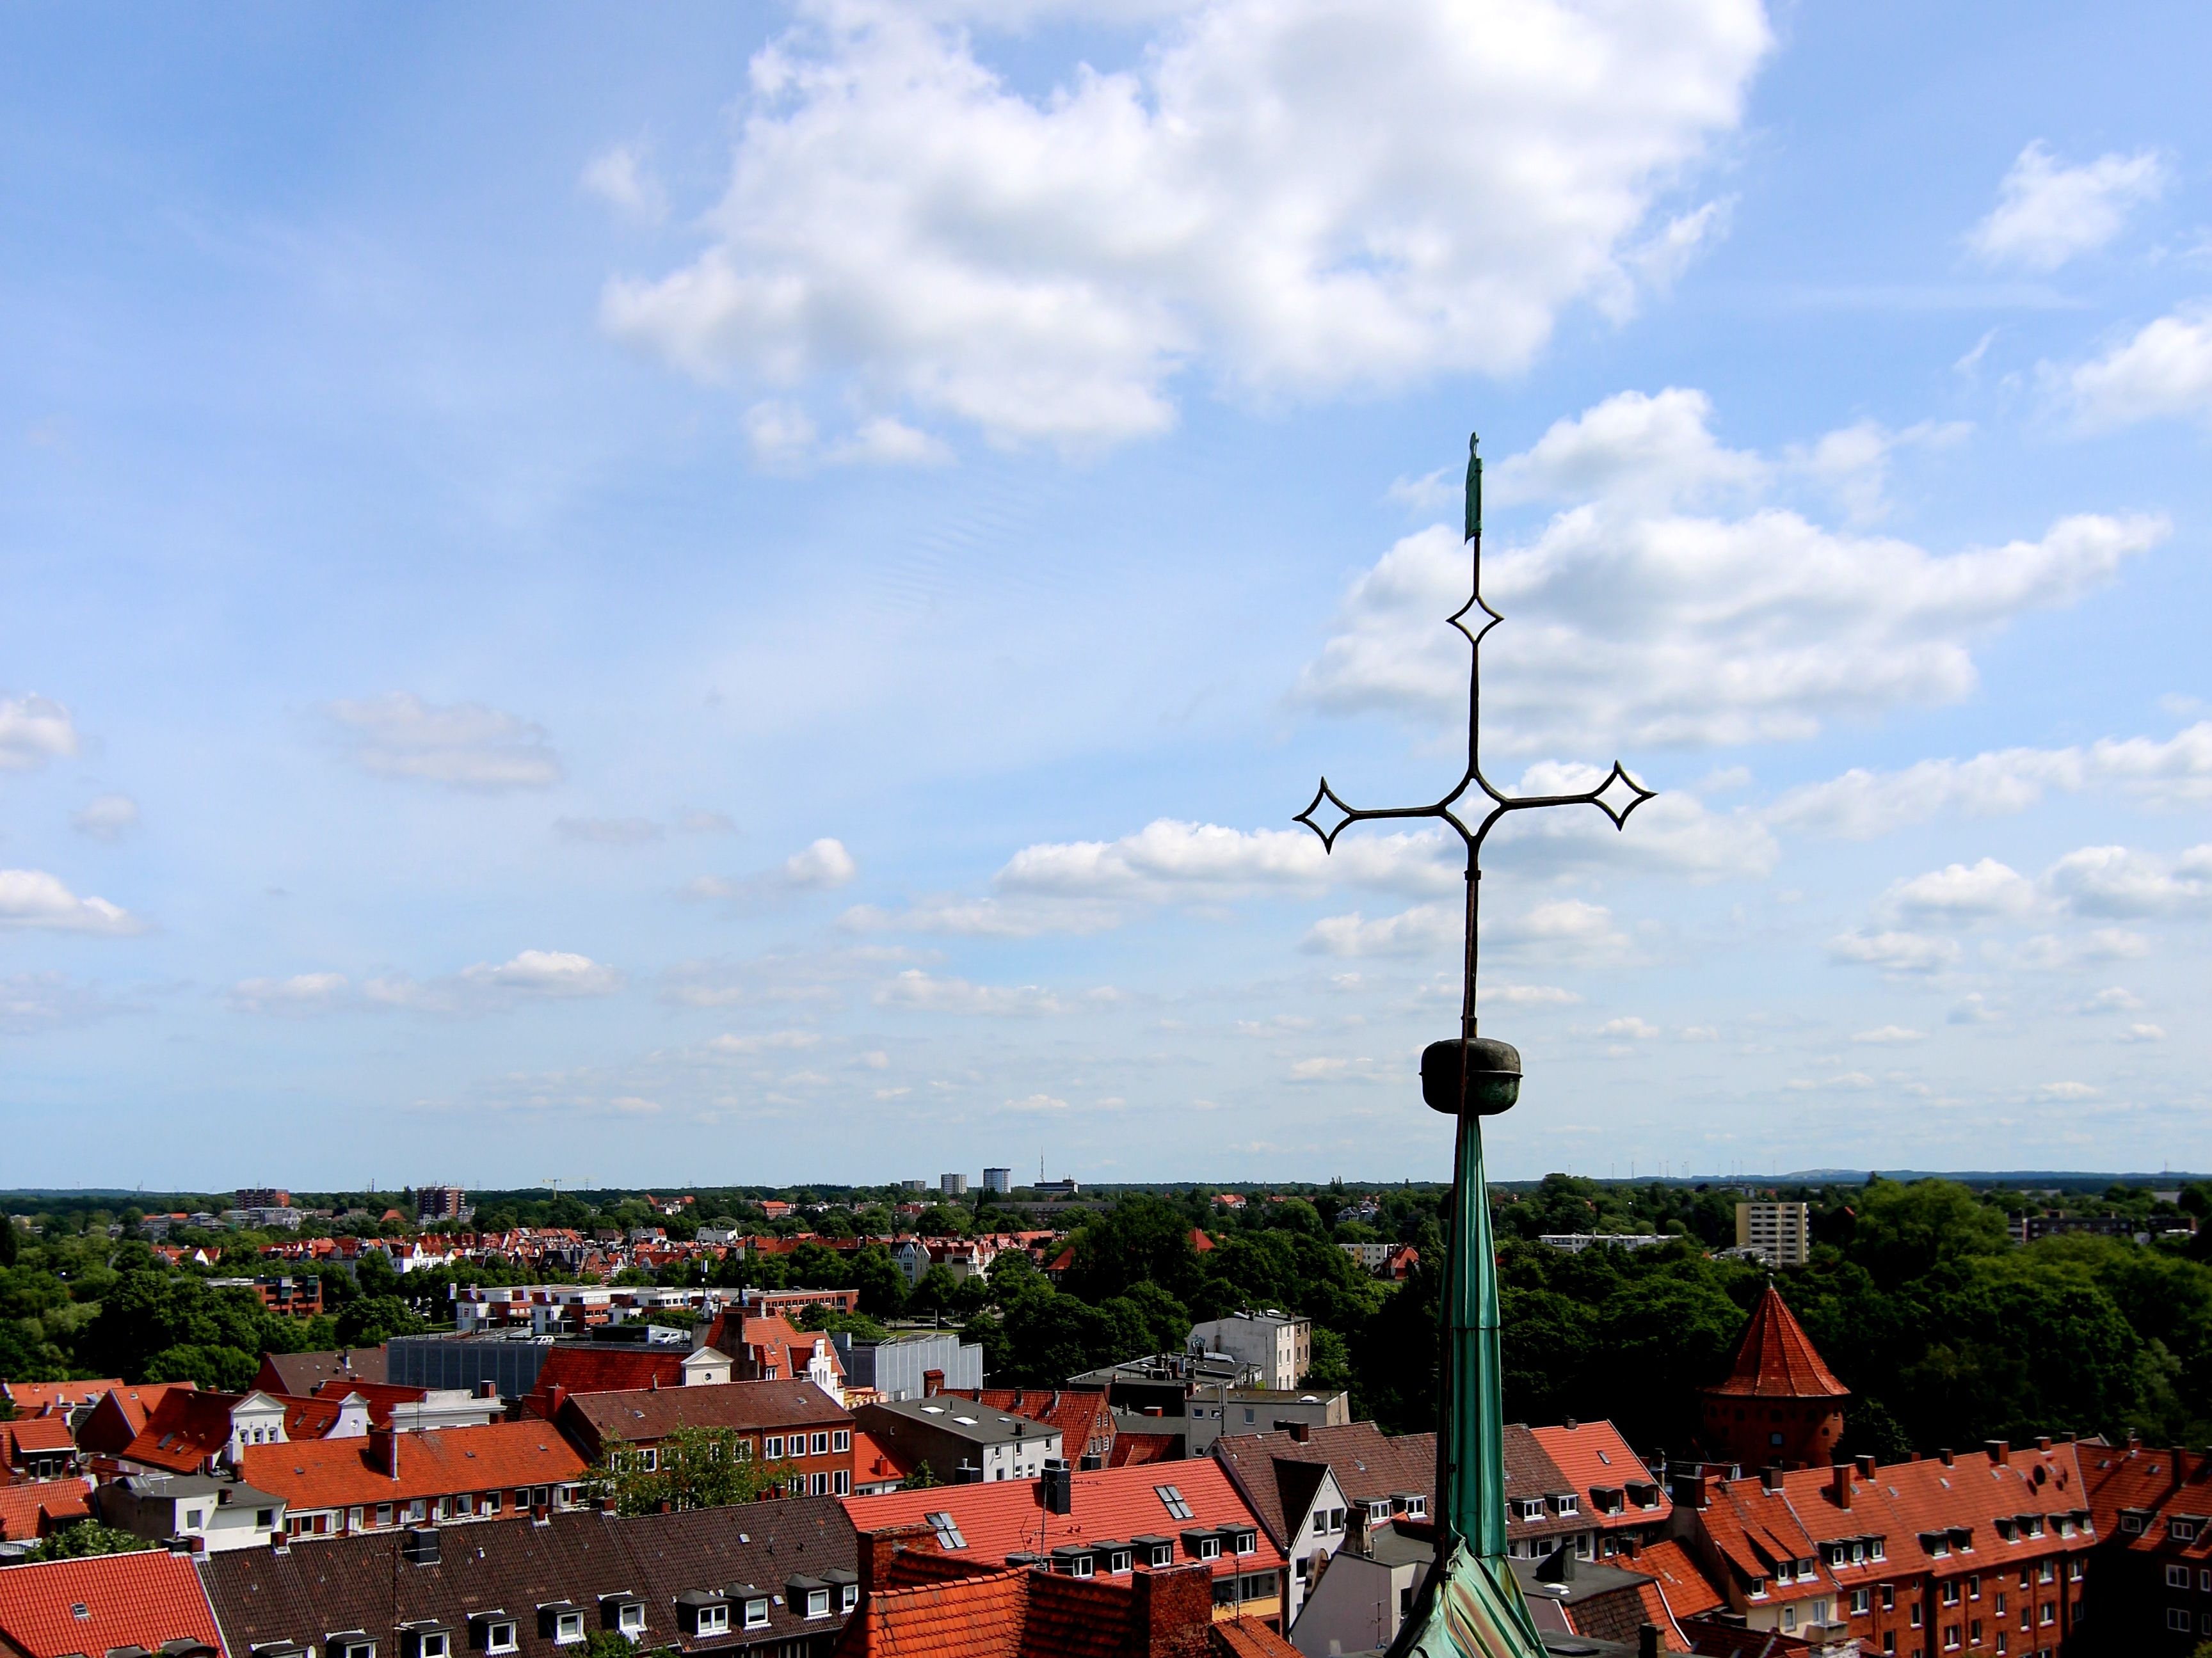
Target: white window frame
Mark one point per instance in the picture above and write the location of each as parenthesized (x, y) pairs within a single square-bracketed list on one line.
[(567, 1628), (756, 1614), (818, 1602), (712, 1620), (507, 1628), (841, 1440), (772, 1448), (630, 1619)]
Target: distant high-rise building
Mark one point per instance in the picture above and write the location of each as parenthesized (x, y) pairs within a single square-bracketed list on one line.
[(434, 1203), (1063, 1187), (997, 1180), (914, 1186), (1780, 1233), (952, 1186), (262, 1197)]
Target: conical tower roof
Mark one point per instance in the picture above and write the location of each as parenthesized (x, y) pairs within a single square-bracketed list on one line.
[(1776, 1359)]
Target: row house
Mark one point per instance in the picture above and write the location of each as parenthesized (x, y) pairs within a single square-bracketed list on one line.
[(1623, 1500), (387, 1480), (33, 1508), (592, 1368), (2151, 1586), (295, 1297), (190, 1431), (1081, 1416), (768, 1349), (1983, 1555), (782, 1587), (145, 1602), (38, 1447), (793, 1424), (1316, 1492), (1118, 1523)]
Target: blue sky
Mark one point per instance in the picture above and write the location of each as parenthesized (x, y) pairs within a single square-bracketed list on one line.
[(744, 595)]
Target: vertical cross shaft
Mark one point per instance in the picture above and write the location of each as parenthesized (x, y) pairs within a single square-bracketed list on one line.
[(1470, 1603)]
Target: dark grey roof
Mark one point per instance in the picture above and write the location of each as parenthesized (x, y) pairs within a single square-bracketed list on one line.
[(964, 1417)]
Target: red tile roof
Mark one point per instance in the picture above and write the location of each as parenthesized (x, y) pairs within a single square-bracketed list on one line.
[(1776, 1359), (1754, 1528), (183, 1429), (1593, 1454), (978, 1617), (1247, 1637), (1083, 1415), (646, 1416), (120, 1416), (31, 1397), (34, 1435), (603, 1370), (141, 1600), (31, 1508), (1688, 1591), (334, 1474), (1003, 1518)]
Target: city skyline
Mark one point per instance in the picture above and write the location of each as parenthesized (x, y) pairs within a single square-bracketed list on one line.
[(575, 597)]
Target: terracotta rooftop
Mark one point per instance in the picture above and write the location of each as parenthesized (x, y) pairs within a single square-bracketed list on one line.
[(603, 1370), (143, 1600), (1776, 1359), (31, 1508), (1594, 1456), (334, 1474), (31, 1397)]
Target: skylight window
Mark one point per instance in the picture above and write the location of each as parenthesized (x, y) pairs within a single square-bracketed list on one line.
[(948, 1533), (1173, 1501)]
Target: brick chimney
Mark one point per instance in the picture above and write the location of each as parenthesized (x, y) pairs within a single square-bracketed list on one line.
[(1171, 1613), (1769, 1477), (384, 1450), (932, 1383), (1694, 1491), (1839, 1487), (2000, 1451), (554, 1397), (1946, 1458), (1866, 1465), (877, 1548), (1298, 1431)]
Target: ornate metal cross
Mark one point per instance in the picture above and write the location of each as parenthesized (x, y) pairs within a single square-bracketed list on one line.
[(1470, 1603)]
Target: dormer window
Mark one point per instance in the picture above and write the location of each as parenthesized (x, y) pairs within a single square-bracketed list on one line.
[(1416, 1507), (1119, 1561), (496, 1634), (1759, 1589), (757, 1612), (1567, 1503), (1202, 1545)]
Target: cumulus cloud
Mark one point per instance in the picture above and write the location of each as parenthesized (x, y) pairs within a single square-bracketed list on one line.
[(822, 865), (728, 1047), (2051, 953), (1631, 1027), (1415, 931), (2114, 881), (530, 975), (1292, 198), (465, 746), (1860, 804), (1962, 892), (32, 1002), (2142, 1033), (621, 178), (31, 898), (1528, 995), (1167, 859), (2048, 213), (34, 730), (301, 993), (928, 993), (1638, 622), (2165, 371), (1895, 952), (1890, 1035), (106, 816)]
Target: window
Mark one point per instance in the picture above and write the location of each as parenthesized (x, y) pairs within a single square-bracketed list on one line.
[(491, 1502), (1789, 1618), (1862, 1602), (350, 1646), (2131, 1523), (433, 1644), (821, 1445), (842, 1482), (2181, 1531), (772, 1448), (841, 1440), (1951, 1592), (1889, 1597), (1569, 1504), (818, 1485), (1889, 1641), (648, 1458), (1248, 1413), (1759, 1589), (817, 1603), (848, 1596), (1204, 1548), (1974, 1585), (948, 1534), (1974, 1632), (567, 1628), (1173, 1501), (2178, 1618), (2045, 1572), (1416, 1507), (1915, 1614), (2001, 1603), (2049, 1612), (2177, 1577), (1950, 1637), (1119, 1561), (1247, 1542), (630, 1620), (756, 1614), (500, 1637), (715, 1619)]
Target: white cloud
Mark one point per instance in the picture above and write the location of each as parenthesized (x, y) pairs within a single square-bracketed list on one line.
[(1166, 860), (696, 820), (1629, 1026), (1856, 1081), (2048, 952), (1037, 1103), (607, 831), (884, 441), (1416, 931), (32, 1002), (728, 1047), (2047, 213), (2068, 1090), (1638, 624), (1860, 804), (2142, 1033), (1974, 1008), (1527, 995), (547, 973), (1325, 1069), (106, 817), (1298, 198), (822, 865), (621, 178), (2114, 881), (1564, 929), (2164, 372), (1962, 892), (31, 898), (1890, 1035), (922, 990), (1852, 463), (1021, 917), (301, 994), (1654, 451), (33, 730), (465, 746), (2116, 999), (1895, 952)]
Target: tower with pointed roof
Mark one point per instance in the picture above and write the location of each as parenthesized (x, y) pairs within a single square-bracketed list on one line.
[(1780, 1402)]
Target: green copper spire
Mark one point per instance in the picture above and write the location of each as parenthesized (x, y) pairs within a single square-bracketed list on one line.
[(1470, 1606)]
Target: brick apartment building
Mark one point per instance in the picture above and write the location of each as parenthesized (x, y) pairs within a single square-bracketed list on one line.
[(794, 1423), (2150, 1585)]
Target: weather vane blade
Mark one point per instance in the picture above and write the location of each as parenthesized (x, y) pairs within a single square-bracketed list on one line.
[(1470, 1603)]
